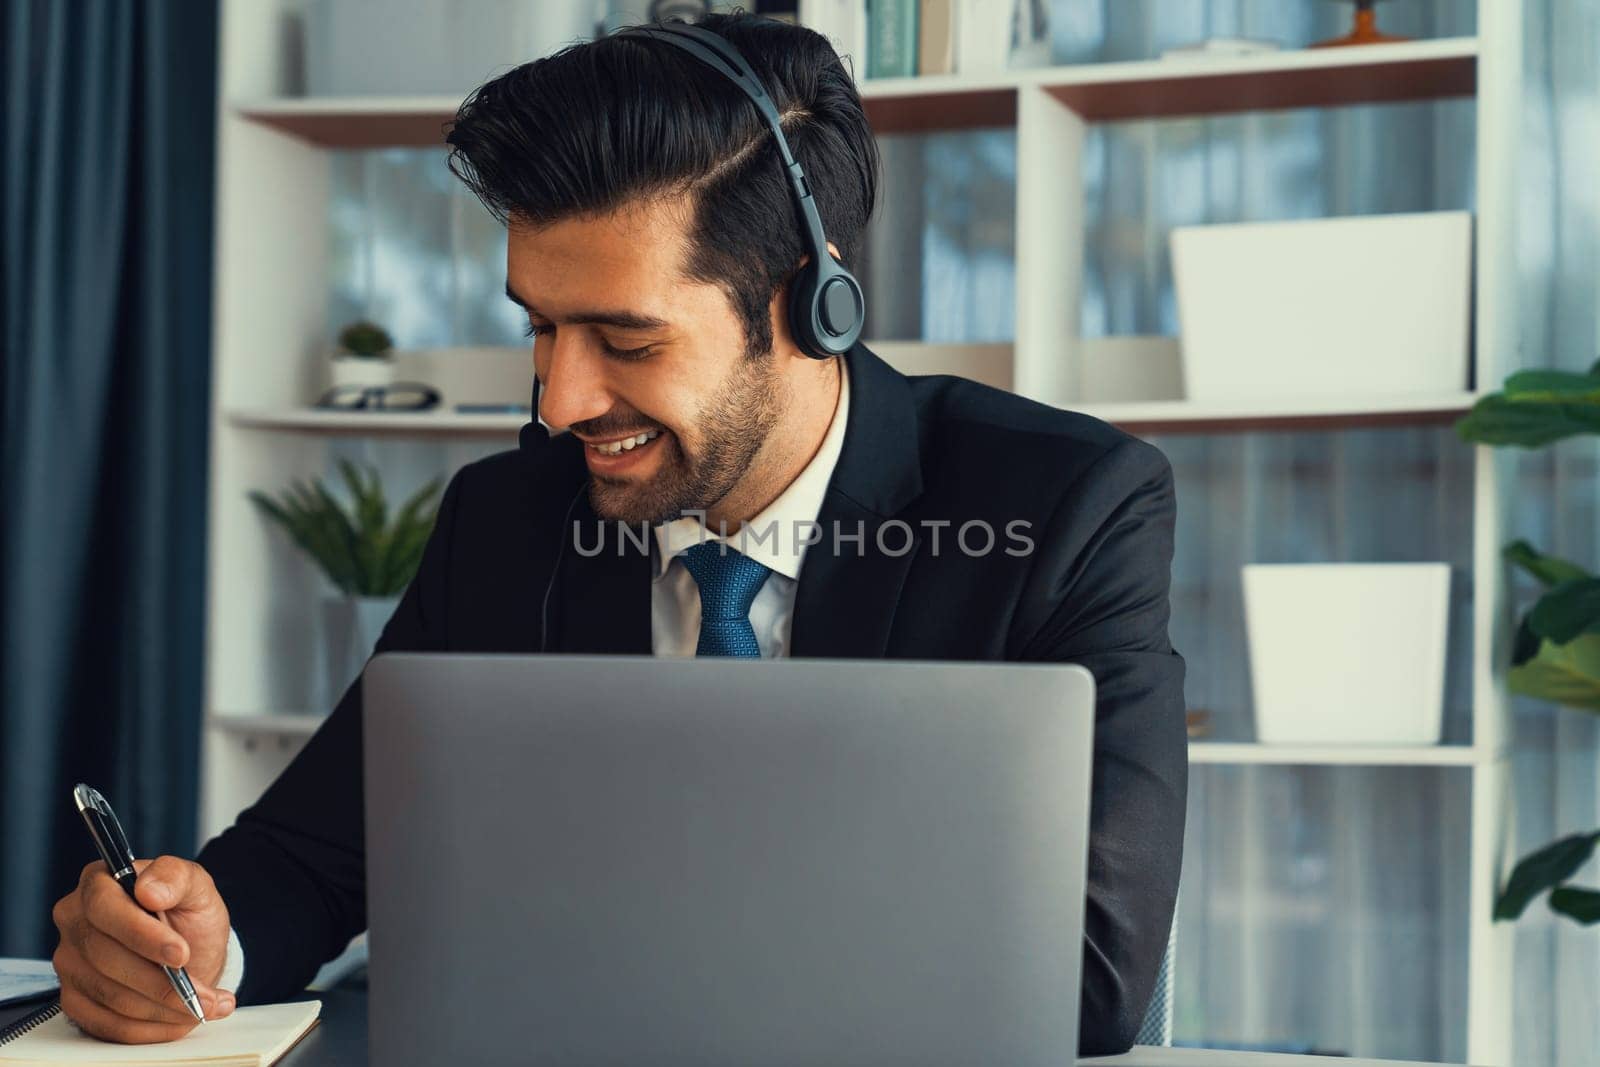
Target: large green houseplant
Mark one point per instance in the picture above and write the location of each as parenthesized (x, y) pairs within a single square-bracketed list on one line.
[(1556, 653)]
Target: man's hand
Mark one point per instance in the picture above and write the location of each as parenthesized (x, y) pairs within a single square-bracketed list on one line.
[(112, 984)]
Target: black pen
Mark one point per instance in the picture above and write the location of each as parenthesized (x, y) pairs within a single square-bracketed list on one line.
[(114, 849)]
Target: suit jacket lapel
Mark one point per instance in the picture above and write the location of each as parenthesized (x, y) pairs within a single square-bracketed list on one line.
[(598, 582), (849, 588), (604, 587)]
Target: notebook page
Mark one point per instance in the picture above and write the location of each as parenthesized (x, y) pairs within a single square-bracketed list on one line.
[(250, 1037)]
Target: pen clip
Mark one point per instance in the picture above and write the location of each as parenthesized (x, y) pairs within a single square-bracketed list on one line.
[(105, 829)]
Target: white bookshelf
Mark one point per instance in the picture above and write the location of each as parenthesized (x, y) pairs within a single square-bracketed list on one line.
[(271, 289)]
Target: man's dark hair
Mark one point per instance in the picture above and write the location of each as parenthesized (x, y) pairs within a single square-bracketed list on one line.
[(596, 125)]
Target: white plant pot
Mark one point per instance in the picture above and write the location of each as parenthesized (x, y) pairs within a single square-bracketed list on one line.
[(1348, 653), (351, 627), (361, 371)]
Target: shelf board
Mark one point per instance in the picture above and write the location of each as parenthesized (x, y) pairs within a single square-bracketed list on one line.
[(1165, 416), (1302, 414), (1274, 81), (357, 121), (310, 420), (297, 724), (300, 724), (1100, 92), (1253, 753)]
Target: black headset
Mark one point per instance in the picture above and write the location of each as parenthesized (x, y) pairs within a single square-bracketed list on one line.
[(827, 308)]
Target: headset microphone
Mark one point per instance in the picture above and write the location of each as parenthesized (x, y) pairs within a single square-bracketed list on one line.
[(827, 309), (534, 434)]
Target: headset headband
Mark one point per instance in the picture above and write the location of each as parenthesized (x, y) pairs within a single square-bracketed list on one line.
[(841, 303)]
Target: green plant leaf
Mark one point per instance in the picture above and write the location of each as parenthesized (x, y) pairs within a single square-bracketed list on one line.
[(1576, 903), (1570, 609), (1548, 570), (408, 536), (1529, 423), (1541, 870), (361, 550), (1524, 644), (370, 520), (1552, 386), (1566, 674), (339, 534)]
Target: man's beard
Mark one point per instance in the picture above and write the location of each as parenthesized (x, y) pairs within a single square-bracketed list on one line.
[(732, 430)]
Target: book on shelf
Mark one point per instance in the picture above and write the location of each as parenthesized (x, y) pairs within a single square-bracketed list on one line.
[(892, 38), (844, 24), (906, 38), (983, 35), (936, 37)]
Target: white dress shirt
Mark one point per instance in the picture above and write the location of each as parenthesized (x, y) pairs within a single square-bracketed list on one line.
[(775, 538)]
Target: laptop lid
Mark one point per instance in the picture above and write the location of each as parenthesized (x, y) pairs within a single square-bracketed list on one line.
[(576, 860)]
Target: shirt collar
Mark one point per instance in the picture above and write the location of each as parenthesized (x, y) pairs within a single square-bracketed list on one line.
[(776, 536)]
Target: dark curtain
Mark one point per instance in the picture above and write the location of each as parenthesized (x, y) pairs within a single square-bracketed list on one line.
[(105, 294)]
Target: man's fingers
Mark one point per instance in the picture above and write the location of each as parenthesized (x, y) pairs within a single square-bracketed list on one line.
[(78, 975), (107, 908), (116, 961), (219, 1003), (99, 1021), (168, 882)]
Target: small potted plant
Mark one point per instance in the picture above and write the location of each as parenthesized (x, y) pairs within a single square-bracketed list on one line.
[(363, 357), (369, 558)]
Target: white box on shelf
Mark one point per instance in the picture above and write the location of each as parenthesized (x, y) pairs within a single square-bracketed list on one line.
[(986, 362), (1347, 653), (416, 47), (1130, 369), (1346, 307)]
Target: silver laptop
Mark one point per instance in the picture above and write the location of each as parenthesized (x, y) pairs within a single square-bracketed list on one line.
[(626, 860)]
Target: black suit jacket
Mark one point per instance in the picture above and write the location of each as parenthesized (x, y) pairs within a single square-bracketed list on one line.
[(1099, 509)]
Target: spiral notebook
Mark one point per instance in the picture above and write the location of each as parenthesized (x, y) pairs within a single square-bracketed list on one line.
[(250, 1037)]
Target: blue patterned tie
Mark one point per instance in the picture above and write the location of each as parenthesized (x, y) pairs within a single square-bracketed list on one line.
[(729, 582)]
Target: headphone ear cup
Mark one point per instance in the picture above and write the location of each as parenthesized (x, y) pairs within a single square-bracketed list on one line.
[(826, 310), (803, 322)]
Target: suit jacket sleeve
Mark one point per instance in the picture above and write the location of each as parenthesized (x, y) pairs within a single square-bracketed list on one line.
[(1099, 597), (292, 869)]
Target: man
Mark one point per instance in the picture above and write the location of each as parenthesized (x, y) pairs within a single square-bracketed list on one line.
[(651, 239)]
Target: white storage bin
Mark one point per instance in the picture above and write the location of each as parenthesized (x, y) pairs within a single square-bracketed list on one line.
[(1368, 307), (1348, 653), (415, 47)]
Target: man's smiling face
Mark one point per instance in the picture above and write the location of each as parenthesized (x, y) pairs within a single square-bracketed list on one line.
[(647, 367)]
